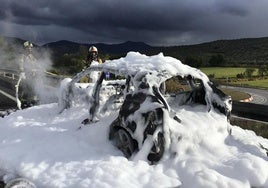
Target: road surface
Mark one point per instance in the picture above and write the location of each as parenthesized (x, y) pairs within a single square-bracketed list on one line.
[(260, 96), (7, 98)]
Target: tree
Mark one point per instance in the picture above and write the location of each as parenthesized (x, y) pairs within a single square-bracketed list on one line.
[(249, 72), (240, 75), (193, 61), (217, 60), (262, 71)]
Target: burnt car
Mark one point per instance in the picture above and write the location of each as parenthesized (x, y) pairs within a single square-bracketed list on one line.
[(151, 91)]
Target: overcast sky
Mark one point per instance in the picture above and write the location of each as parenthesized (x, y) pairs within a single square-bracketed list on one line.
[(156, 22)]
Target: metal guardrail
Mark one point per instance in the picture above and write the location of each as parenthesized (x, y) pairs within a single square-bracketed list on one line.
[(10, 77), (250, 110), (9, 73), (14, 74)]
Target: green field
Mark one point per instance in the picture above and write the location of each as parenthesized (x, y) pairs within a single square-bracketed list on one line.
[(225, 72), (236, 95), (231, 72), (254, 83)]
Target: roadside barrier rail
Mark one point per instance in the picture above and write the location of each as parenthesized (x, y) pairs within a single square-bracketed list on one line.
[(250, 110), (9, 73)]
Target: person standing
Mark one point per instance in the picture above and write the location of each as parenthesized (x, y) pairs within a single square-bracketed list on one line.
[(93, 58), (25, 93), (28, 61)]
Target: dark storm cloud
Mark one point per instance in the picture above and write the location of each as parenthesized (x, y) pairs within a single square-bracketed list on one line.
[(164, 22)]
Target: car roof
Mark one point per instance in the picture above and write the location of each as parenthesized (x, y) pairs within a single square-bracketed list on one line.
[(157, 65)]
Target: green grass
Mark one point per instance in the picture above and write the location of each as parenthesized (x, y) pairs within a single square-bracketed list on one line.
[(222, 73), (225, 72), (236, 95), (258, 83)]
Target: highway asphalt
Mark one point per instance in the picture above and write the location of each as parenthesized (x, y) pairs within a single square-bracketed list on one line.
[(259, 96), (6, 100), (7, 95)]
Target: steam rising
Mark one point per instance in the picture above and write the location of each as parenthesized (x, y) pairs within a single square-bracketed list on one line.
[(35, 68), (43, 83), (7, 55)]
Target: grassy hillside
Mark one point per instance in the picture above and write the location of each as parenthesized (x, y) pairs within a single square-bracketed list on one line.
[(257, 83), (225, 72), (252, 51), (228, 75)]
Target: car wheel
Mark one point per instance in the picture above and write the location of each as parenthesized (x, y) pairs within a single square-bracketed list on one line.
[(124, 142), (20, 182), (158, 149)]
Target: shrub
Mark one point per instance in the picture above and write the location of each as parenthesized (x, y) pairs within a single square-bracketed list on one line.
[(241, 75)]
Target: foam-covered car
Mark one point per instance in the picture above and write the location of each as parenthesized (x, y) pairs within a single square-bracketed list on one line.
[(152, 89)]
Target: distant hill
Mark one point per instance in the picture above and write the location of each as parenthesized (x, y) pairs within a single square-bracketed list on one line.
[(248, 51), (63, 46), (251, 51)]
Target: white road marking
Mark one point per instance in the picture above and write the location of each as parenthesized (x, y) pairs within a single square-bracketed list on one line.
[(8, 95)]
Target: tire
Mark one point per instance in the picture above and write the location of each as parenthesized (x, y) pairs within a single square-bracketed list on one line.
[(155, 120), (124, 142), (158, 149), (20, 182)]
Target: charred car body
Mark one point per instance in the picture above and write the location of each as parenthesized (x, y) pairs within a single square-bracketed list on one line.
[(153, 86)]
